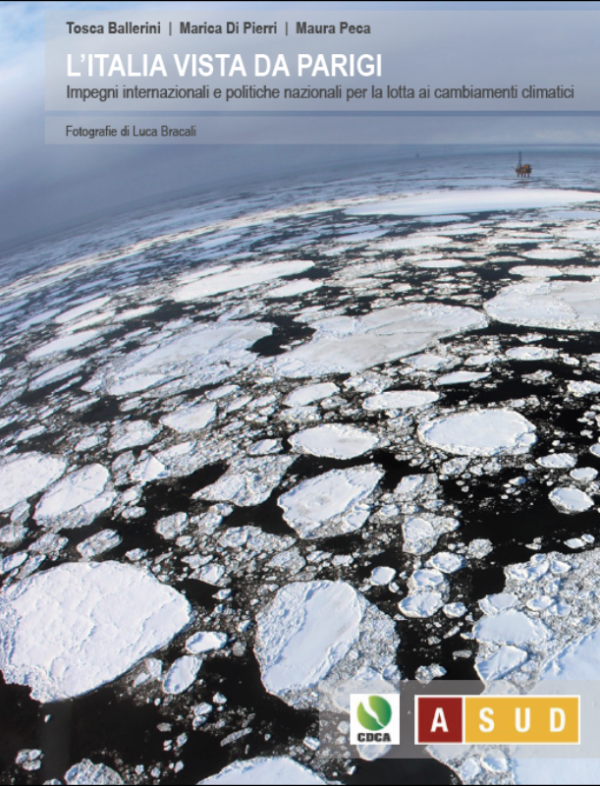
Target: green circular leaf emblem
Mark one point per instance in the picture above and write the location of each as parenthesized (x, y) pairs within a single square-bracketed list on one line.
[(378, 718)]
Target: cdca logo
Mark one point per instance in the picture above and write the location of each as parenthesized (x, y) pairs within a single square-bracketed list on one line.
[(374, 718)]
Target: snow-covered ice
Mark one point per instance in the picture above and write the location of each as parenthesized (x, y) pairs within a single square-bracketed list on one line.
[(400, 399), (192, 418), (345, 344), (70, 629), (485, 432), (76, 499), (248, 481), (182, 674), (569, 499), (297, 652), (334, 440), (238, 278), (272, 771), (27, 474), (334, 503), (560, 305)]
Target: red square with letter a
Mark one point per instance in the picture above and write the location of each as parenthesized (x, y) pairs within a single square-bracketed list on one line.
[(438, 719)]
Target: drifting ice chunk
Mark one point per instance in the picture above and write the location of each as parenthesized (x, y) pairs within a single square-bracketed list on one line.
[(511, 627), (181, 674), (486, 432), (294, 288), (421, 604), (345, 344), (204, 354), (413, 241), (249, 481), (310, 393), (569, 499), (72, 628), (238, 278), (552, 253), (401, 399), (270, 771), (461, 377), (297, 652), (77, 499), (447, 562), (205, 641), (189, 419), (557, 461), (559, 305), (59, 371), (102, 541), (530, 353), (539, 271), (421, 532), (334, 441), (26, 475), (381, 576), (86, 773), (294, 649), (63, 344), (78, 311), (334, 503), (582, 388)]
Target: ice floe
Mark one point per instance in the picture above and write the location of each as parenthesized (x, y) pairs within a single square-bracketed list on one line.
[(192, 418), (345, 344), (182, 674), (308, 394), (569, 499), (249, 481), (270, 771), (203, 355), (238, 278), (23, 476), (334, 440), (76, 499), (559, 305), (297, 653), (70, 629), (486, 432), (334, 503), (400, 399)]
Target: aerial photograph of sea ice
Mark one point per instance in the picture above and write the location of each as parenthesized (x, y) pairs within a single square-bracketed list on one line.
[(256, 445)]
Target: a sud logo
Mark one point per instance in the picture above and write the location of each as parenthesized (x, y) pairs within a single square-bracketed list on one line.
[(374, 718)]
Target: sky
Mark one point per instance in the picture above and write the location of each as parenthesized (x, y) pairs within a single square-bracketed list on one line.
[(45, 189)]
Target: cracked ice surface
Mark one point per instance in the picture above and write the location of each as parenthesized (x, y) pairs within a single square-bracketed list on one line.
[(70, 629), (334, 503)]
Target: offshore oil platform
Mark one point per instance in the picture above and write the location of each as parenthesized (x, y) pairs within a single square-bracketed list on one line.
[(522, 170)]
